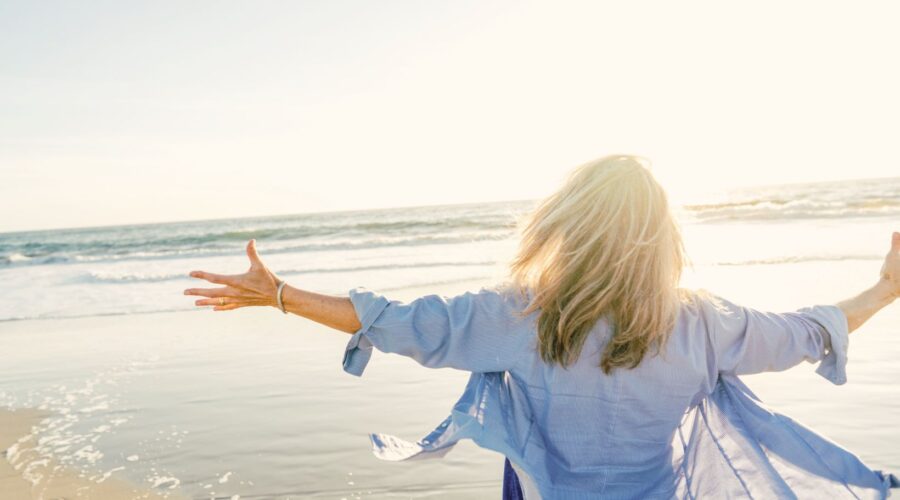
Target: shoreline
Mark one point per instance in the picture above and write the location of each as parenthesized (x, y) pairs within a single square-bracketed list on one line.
[(24, 474)]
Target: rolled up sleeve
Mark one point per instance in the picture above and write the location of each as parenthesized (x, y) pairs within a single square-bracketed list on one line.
[(750, 341), (472, 331), (833, 365), (368, 306)]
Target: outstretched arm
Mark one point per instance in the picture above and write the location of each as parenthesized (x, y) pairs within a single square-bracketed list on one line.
[(258, 286), (474, 331), (863, 306), (329, 310), (747, 340)]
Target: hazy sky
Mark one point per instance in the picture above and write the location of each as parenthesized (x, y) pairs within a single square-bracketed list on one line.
[(120, 112)]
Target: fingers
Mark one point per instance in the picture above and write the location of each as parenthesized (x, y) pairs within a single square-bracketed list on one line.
[(228, 307), (219, 302), (227, 302), (212, 292), (220, 279), (895, 242), (253, 254), (228, 297)]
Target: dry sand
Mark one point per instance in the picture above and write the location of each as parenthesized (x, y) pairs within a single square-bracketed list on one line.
[(48, 480)]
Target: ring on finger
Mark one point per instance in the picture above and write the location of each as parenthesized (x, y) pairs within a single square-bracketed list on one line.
[(221, 301)]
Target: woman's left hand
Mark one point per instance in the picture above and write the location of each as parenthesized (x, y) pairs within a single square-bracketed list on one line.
[(256, 287)]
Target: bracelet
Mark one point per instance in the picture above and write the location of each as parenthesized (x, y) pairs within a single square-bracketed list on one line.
[(278, 296)]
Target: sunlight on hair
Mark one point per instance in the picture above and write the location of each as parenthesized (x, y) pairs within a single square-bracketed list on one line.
[(605, 243)]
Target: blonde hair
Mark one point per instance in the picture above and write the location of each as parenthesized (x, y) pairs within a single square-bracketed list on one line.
[(605, 243)]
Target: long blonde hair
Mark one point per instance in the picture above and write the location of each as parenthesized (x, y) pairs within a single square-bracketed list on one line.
[(605, 243)]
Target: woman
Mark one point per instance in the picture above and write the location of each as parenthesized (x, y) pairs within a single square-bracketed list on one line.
[(592, 371)]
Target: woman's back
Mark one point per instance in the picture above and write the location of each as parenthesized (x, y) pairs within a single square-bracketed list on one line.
[(576, 430), (596, 431)]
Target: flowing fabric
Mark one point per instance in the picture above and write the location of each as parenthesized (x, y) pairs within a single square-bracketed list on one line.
[(728, 443), (729, 446)]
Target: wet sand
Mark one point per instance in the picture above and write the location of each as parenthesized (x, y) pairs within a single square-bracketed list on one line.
[(247, 403), (22, 476)]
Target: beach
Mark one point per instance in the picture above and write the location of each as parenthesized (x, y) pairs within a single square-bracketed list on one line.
[(253, 404), (116, 377), (25, 474)]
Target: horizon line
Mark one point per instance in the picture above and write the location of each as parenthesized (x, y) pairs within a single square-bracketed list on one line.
[(244, 217), (344, 211)]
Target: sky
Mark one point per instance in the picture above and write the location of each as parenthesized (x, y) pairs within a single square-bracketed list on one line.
[(133, 112)]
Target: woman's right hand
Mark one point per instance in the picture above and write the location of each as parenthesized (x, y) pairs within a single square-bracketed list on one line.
[(256, 287), (890, 271)]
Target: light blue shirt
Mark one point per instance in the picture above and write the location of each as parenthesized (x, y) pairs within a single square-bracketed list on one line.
[(680, 425)]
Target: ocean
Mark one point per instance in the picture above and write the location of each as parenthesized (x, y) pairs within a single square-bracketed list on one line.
[(132, 269), (147, 387)]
